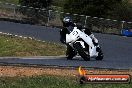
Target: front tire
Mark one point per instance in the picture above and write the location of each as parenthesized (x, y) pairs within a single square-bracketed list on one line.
[(81, 52)]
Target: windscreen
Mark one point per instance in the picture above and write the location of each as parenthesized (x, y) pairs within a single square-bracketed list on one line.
[(70, 29)]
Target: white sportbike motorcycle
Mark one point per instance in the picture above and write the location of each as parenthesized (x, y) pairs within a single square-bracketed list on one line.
[(82, 44)]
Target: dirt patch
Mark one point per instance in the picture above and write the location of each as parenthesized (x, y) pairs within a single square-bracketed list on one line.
[(14, 71)]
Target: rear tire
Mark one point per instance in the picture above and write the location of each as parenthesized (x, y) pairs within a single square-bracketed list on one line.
[(81, 52)]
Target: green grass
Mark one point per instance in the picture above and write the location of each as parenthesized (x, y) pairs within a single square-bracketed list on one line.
[(10, 1), (14, 46), (52, 82)]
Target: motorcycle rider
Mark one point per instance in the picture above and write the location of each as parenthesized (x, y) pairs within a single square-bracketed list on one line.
[(68, 25)]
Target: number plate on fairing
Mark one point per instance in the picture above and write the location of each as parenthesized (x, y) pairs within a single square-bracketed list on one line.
[(75, 33)]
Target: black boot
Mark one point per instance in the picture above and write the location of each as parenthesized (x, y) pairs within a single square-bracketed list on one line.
[(70, 53)]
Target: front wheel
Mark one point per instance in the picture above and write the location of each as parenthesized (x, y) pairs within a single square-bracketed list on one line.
[(81, 51)]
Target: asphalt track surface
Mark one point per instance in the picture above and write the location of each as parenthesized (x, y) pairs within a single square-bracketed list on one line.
[(117, 49)]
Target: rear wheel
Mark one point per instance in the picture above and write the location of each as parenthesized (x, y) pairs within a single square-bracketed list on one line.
[(81, 51)]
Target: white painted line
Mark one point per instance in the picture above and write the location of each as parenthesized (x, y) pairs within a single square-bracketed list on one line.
[(95, 17), (25, 37), (37, 8), (8, 34), (75, 14), (50, 10), (30, 38), (39, 40), (24, 6), (56, 11), (43, 9), (114, 20), (67, 13), (31, 7), (5, 33), (123, 21), (81, 15), (34, 57), (101, 18), (61, 12), (88, 16), (12, 4), (18, 5), (20, 36), (108, 19), (129, 22)]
